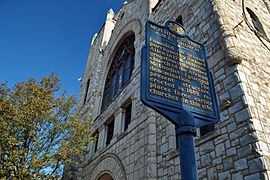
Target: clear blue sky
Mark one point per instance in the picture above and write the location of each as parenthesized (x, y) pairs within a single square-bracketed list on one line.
[(38, 37)]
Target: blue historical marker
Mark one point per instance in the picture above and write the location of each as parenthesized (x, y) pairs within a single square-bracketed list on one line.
[(175, 75), (177, 83)]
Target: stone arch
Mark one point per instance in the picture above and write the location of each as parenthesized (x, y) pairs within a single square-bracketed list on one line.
[(133, 26), (109, 164), (106, 175)]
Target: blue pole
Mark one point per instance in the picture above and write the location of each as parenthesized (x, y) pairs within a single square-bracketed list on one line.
[(187, 157), (185, 133)]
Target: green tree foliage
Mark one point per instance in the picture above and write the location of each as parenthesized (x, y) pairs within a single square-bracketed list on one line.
[(39, 129)]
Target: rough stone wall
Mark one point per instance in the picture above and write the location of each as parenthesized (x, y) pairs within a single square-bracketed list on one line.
[(238, 148), (201, 24), (92, 68), (252, 74)]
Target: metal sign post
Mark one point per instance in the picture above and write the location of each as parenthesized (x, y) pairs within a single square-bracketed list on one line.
[(177, 83), (186, 143)]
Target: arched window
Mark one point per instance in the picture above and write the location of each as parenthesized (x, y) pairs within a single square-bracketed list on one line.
[(256, 22), (120, 71)]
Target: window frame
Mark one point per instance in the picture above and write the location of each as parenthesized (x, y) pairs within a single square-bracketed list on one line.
[(96, 141), (110, 131), (128, 112), (124, 58)]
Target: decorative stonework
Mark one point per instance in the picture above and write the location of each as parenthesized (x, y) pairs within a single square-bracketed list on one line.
[(238, 148), (109, 163)]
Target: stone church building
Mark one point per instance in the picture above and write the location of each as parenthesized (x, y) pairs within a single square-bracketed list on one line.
[(135, 142)]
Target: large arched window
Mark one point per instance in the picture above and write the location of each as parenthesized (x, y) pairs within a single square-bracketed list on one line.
[(120, 70)]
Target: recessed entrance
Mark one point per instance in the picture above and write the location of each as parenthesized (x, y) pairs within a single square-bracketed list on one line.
[(106, 176)]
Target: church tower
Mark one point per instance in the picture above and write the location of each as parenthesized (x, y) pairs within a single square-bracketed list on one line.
[(135, 142)]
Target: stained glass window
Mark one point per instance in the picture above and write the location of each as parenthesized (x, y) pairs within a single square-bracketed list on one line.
[(127, 69), (113, 85), (120, 78), (120, 70)]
